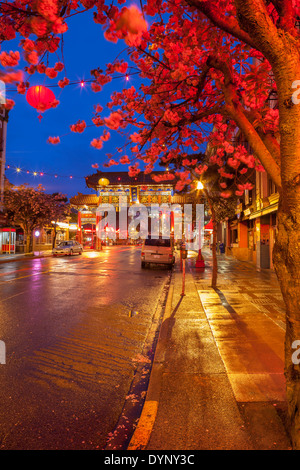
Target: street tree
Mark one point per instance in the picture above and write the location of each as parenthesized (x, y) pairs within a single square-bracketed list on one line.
[(60, 209), (31, 209), (221, 209), (231, 65)]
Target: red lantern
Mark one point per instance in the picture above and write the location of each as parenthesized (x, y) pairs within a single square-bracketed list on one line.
[(40, 97)]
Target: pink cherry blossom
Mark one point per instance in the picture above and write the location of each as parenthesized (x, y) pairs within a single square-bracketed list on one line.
[(9, 104), (9, 59), (124, 160), (78, 127), (113, 121), (97, 143), (53, 140)]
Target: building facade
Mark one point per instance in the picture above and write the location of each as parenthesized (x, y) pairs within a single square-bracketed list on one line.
[(3, 130), (250, 236), (7, 234)]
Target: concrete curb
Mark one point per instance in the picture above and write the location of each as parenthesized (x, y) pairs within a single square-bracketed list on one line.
[(146, 422), (23, 257)]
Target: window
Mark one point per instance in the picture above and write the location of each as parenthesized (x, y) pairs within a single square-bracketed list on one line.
[(272, 187), (158, 242), (65, 244), (234, 236)]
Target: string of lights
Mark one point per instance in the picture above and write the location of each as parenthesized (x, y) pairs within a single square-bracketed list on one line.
[(83, 82), (20, 170)]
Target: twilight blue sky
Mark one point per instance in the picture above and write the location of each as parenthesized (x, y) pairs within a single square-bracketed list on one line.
[(84, 49)]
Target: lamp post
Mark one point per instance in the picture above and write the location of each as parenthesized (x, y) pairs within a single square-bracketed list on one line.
[(68, 218), (200, 261), (36, 235)]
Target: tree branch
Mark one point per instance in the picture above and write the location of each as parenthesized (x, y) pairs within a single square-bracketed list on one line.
[(268, 139), (285, 11), (229, 25), (255, 20), (258, 146), (198, 117)]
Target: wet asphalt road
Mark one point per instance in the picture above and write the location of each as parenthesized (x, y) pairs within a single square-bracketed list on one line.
[(72, 345)]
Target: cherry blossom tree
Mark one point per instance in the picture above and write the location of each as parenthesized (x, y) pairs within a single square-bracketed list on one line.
[(32, 208), (59, 210), (217, 63), (209, 67)]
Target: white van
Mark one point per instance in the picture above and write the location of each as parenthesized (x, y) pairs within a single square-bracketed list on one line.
[(157, 251)]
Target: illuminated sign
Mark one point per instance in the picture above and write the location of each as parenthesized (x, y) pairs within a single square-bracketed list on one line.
[(134, 194)]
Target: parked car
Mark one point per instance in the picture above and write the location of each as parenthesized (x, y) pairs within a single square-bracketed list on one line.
[(68, 247), (157, 251)]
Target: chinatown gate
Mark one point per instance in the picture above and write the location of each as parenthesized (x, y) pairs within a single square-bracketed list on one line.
[(113, 187)]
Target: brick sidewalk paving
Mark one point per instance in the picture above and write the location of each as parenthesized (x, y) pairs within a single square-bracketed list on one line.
[(247, 318), (217, 380), (258, 288)]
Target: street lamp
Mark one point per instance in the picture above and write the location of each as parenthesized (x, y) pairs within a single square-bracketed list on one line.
[(36, 234), (200, 261)]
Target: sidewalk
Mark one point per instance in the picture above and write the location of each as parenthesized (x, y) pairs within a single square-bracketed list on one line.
[(217, 379), (4, 258)]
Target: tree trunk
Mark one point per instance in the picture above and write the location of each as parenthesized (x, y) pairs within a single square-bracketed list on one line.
[(287, 247), (54, 236), (214, 243), (28, 242), (287, 266), (214, 253)]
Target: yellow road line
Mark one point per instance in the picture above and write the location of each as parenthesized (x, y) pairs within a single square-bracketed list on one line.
[(142, 433), (7, 298), (29, 275), (146, 422)]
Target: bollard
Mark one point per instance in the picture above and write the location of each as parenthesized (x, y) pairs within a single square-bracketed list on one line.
[(183, 277), (183, 256)]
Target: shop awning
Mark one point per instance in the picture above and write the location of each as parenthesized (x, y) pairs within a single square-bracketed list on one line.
[(265, 211), (209, 226)]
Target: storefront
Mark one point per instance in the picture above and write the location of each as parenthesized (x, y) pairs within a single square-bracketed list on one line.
[(7, 240), (265, 224)]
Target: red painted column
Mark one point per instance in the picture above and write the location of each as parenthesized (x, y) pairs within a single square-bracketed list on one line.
[(172, 223), (79, 233)]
